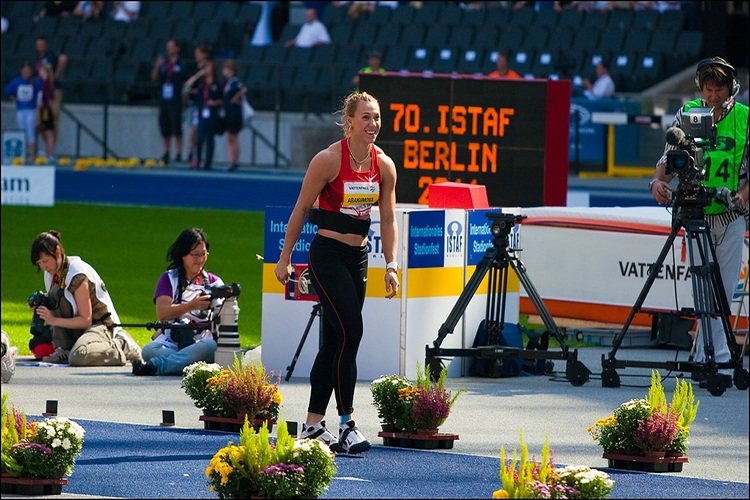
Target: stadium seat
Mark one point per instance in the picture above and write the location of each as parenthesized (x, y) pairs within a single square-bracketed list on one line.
[(427, 14), (388, 34), (333, 14), (288, 32), (380, 16), (257, 75), (145, 50), (138, 28), (341, 33), (569, 63), (689, 45), (620, 19), (595, 19), (561, 39), (662, 41), (78, 70), (68, 26), (545, 64), (413, 35), (486, 37), (227, 11), (92, 30), (671, 20), (523, 17), (636, 41), (649, 67), (250, 13), (611, 40), (403, 14), (181, 10), (592, 59), (621, 67), (450, 15), (157, 10), (547, 18), (102, 70), (420, 59), (210, 32), (184, 29), (365, 34), (350, 56), (8, 47), (461, 36), (298, 56), (497, 16), (275, 53), (114, 29), (585, 40), (101, 49), (251, 54), (437, 36), (46, 26), (470, 61), (74, 48), (21, 25), (323, 55), (25, 48), (511, 37), (396, 58), (444, 60), (15, 10), (474, 17), (204, 11), (645, 19), (570, 18), (523, 61), (536, 38), (127, 71)]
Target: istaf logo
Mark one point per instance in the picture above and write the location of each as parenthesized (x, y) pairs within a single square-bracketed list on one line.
[(454, 238), (374, 246)]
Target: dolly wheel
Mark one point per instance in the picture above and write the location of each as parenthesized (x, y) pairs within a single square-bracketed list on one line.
[(716, 384), (741, 379)]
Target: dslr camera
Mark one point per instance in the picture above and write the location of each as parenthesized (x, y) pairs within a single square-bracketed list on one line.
[(37, 299)]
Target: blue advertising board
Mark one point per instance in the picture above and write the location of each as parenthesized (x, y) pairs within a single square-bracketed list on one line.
[(479, 236), (426, 242), (592, 136), (275, 230)]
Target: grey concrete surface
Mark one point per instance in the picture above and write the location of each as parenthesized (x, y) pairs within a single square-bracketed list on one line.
[(488, 416)]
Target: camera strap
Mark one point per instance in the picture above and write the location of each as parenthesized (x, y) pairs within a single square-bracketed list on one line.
[(63, 276), (201, 278)]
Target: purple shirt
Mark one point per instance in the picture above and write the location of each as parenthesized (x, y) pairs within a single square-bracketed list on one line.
[(164, 287)]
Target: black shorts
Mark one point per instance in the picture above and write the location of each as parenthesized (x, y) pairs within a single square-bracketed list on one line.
[(233, 123), (170, 120), (46, 119)]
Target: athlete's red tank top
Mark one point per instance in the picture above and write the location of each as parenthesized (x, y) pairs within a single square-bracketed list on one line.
[(352, 193)]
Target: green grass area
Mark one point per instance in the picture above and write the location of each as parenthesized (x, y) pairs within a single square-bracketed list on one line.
[(127, 245)]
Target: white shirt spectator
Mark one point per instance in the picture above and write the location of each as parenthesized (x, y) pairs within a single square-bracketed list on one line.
[(603, 87), (312, 33), (126, 11)]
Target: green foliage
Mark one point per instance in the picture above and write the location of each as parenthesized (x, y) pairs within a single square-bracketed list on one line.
[(195, 382), (683, 403), (319, 466), (656, 398), (393, 410), (628, 416), (517, 474), (127, 245)]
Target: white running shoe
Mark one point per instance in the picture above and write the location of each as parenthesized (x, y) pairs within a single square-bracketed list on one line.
[(351, 440), (129, 346), (318, 431), (59, 356)]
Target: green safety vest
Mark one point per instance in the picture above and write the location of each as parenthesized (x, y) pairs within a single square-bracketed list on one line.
[(722, 162)]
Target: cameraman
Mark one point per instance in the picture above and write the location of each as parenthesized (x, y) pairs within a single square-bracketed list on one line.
[(181, 295), (726, 165), (83, 315)]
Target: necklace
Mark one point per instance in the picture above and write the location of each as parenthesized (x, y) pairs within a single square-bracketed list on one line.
[(359, 163)]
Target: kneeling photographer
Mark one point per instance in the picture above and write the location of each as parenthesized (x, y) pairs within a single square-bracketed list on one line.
[(79, 309), (181, 297), (725, 169)]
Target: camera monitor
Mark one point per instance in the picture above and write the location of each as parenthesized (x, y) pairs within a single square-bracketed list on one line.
[(699, 123)]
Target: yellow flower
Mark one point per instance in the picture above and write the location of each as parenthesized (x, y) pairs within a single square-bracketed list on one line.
[(277, 397), (500, 494)]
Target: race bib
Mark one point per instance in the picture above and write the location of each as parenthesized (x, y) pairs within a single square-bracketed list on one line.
[(167, 91), (206, 112)]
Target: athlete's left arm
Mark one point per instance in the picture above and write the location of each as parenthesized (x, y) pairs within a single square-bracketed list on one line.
[(388, 226)]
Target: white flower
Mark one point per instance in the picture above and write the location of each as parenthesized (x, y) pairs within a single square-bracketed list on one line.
[(66, 443), (56, 443)]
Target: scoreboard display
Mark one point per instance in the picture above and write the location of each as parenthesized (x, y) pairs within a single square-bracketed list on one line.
[(508, 135)]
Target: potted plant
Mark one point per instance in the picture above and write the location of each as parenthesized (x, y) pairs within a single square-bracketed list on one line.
[(226, 396), (257, 468), (392, 396), (432, 403), (526, 478), (37, 455), (655, 434)]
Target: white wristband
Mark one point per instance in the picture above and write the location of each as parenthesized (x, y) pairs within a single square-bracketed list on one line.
[(391, 265)]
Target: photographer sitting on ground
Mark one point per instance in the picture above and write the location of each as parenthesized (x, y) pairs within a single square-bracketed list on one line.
[(181, 295), (725, 165), (82, 314)]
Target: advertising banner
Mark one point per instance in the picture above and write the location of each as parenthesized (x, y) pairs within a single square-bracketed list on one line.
[(28, 186)]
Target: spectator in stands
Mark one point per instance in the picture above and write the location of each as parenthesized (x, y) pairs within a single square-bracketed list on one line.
[(312, 33), (202, 55), (374, 60), (357, 8), (46, 119), (180, 297), (234, 89), (503, 69), (83, 316), (171, 73), (55, 9), (126, 11), (205, 88), (728, 168), (58, 63), (5, 24), (24, 90), (603, 87), (561, 6), (89, 10)]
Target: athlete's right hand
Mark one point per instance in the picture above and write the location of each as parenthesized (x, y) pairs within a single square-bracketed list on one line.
[(283, 271)]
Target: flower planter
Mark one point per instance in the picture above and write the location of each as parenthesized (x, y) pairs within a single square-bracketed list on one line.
[(31, 486), (645, 464), (427, 432), (436, 441), (213, 423)]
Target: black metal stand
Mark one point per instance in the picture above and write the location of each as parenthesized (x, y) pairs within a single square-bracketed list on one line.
[(316, 310), (497, 259), (709, 301)]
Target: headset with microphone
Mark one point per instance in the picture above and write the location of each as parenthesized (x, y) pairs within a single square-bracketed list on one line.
[(732, 72)]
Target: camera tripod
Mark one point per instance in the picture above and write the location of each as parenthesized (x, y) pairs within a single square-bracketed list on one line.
[(316, 311), (709, 301), (496, 260)]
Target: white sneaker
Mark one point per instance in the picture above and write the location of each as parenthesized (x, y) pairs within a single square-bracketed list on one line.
[(130, 347), (351, 440), (318, 431), (59, 356)]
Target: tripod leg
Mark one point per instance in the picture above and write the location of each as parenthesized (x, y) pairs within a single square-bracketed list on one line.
[(289, 369)]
